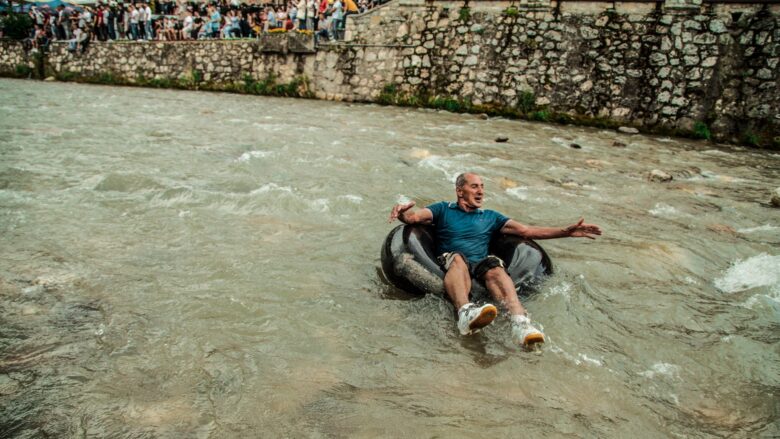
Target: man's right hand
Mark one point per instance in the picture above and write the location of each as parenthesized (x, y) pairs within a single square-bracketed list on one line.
[(398, 210)]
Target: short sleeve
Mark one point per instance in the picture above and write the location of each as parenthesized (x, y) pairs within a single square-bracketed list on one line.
[(437, 210), (500, 221)]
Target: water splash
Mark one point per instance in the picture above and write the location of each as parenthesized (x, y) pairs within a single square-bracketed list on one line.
[(249, 155), (762, 270)]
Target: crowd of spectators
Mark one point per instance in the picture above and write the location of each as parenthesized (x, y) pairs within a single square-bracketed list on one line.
[(173, 21)]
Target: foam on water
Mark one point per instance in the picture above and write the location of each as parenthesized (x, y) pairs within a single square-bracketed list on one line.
[(520, 192), (563, 289), (440, 164), (357, 199), (764, 228), (758, 271), (664, 210), (320, 205), (271, 187), (249, 155), (664, 369)]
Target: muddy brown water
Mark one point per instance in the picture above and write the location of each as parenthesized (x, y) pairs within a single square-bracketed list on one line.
[(184, 264)]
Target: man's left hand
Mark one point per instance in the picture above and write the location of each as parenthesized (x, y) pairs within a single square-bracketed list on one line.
[(581, 230)]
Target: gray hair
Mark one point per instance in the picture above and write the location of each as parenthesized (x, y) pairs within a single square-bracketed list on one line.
[(460, 181)]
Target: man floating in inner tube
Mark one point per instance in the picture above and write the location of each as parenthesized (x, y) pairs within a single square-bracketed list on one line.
[(464, 230)]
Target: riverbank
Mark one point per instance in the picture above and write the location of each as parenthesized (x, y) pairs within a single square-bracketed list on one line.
[(688, 72)]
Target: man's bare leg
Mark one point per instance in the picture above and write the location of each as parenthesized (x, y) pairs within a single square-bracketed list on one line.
[(457, 284), (501, 287)]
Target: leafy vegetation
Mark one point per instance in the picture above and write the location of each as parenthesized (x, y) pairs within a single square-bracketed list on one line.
[(701, 131), (464, 14), (23, 71), (17, 26), (526, 102)]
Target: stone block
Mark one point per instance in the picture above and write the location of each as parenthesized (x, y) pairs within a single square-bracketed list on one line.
[(709, 61), (589, 33), (692, 25), (765, 74), (658, 59)]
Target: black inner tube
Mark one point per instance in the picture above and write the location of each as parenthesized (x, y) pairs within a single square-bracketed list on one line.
[(409, 260)]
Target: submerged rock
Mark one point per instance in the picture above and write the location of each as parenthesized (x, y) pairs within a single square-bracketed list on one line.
[(775, 201), (659, 176), (618, 144), (483, 116), (628, 130), (722, 228), (506, 183), (576, 146), (502, 139)]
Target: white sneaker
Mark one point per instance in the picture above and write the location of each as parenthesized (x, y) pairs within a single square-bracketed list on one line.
[(472, 317), (525, 333)]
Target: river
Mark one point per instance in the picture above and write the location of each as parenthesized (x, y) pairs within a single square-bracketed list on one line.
[(190, 264)]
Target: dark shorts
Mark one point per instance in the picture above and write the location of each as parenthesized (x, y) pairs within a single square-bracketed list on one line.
[(478, 270)]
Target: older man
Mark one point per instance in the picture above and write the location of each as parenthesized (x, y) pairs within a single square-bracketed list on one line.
[(463, 231)]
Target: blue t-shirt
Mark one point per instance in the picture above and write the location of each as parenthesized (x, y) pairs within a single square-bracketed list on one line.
[(465, 232)]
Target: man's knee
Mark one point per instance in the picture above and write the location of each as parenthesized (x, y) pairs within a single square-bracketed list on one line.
[(495, 274), (458, 263)]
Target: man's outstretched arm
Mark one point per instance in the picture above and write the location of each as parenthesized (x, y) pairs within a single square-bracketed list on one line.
[(401, 213), (579, 230)]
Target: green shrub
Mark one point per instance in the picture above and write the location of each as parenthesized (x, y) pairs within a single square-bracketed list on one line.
[(701, 131), (511, 11), (106, 78), (541, 116), (65, 76), (750, 138), (17, 26), (23, 71), (464, 14), (526, 102), (388, 95)]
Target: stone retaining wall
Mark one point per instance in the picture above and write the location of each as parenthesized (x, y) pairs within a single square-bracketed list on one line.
[(649, 65)]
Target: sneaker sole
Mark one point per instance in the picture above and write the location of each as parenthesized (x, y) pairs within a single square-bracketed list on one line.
[(533, 339), (484, 318)]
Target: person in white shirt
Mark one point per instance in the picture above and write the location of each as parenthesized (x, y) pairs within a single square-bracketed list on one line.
[(148, 21), (187, 27), (134, 17)]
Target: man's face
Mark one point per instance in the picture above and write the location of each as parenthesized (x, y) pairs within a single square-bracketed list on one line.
[(470, 194)]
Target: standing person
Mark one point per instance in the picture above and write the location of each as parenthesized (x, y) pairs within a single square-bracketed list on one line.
[(215, 19), (301, 15), (110, 18), (311, 14), (186, 31), (148, 21), (134, 19), (122, 22), (270, 19), (336, 15), (63, 22), (463, 231), (322, 11)]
